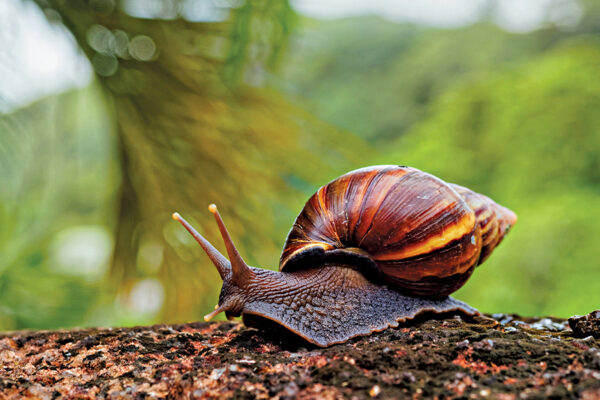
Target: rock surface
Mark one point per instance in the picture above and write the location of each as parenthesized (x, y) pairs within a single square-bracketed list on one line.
[(586, 325), (499, 356)]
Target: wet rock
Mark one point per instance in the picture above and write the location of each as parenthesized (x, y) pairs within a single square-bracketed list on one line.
[(549, 325), (485, 357), (586, 325)]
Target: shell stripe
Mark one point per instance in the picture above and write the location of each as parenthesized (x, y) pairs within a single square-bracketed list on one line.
[(455, 258), (325, 212), (304, 246), (449, 234), (335, 203), (387, 189), (313, 217), (410, 219), (432, 287), (369, 205)]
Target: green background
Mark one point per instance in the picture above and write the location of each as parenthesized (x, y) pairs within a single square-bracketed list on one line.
[(254, 112)]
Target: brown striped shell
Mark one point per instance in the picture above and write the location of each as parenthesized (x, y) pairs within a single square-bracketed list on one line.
[(422, 235)]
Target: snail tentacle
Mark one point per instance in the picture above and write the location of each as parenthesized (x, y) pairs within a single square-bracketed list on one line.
[(221, 263), (241, 273), (235, 273)]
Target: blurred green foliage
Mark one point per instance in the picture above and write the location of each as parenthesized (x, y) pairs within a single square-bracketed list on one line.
[(257, 109), (513, 116), (530, 138), (56, 173)]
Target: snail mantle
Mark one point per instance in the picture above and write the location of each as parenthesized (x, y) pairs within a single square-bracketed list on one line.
[(499, 356)]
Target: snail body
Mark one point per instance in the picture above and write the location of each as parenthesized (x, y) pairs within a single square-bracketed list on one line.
[(372, 248)]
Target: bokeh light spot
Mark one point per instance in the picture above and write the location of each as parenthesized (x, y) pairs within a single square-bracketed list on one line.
[(150, 257), (142, 48), (98, 37), (81, 250), (105, 65), (147, 297), (120, 43), (162, 9)]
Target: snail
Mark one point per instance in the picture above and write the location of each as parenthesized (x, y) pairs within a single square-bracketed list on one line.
[(371, 249)]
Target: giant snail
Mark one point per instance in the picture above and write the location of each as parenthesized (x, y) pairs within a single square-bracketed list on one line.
[(372, 248)]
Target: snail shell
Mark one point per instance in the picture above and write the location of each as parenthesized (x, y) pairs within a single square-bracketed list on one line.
[(420, 234)]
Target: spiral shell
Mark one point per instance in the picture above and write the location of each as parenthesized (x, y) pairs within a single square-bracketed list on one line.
[(422, 235)]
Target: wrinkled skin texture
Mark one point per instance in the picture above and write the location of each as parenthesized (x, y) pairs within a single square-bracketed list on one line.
[(329, 304)]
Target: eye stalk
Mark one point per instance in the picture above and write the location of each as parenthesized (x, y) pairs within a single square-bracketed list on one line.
[(222, 264), (241, 272), (234, 272)]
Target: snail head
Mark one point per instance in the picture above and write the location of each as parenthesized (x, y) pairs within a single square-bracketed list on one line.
[(235, 273)]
